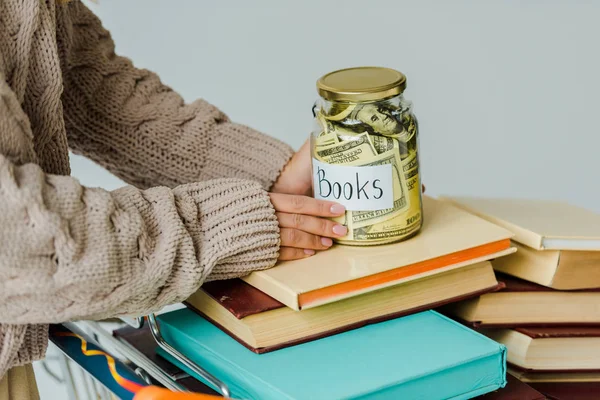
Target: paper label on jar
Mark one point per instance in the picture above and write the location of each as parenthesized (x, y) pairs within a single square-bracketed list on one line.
[(367, 188)]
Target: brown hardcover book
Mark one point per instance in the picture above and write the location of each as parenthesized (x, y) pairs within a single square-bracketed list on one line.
[(560, 332), (142, 341), (569, 390), (556, 349), (523, 303), (263, 324), (514, 390)]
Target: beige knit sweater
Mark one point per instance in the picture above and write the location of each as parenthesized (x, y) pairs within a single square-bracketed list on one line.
[(70, 252)]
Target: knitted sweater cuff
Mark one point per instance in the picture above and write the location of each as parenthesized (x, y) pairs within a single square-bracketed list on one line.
[(239, 230), (21, 345), (34, 345)]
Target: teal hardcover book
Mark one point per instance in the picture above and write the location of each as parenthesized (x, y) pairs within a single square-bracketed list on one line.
[(422, 356)]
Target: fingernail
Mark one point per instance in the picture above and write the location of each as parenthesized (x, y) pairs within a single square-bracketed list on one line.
[(309, 252), (326, 241), (340, 230), (337, 209)]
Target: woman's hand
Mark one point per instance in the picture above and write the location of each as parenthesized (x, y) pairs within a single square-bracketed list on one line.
[(302, 219), (303, 223), (296, 177)]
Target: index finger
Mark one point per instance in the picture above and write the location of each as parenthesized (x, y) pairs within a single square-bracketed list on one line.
[(295, 204)]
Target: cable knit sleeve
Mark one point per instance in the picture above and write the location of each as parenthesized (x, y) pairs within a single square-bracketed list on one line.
[(125, 119), (70, 252)]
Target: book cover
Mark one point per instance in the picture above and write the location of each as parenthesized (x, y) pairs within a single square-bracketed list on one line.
[(539, 224), (424, 355), (346, 271), (560, 332), (240, 298)]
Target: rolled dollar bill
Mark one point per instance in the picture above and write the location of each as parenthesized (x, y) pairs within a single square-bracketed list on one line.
[(327, 139)]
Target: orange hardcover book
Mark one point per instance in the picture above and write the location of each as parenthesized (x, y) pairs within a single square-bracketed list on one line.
[(450, 238)]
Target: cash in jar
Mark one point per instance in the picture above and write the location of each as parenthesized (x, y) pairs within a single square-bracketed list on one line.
[(365, 154)]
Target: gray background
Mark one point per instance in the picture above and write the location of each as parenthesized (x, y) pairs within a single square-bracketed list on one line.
[(506, 92)]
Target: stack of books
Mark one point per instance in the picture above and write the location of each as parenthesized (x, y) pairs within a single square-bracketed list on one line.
[(548, 312), (354, 322)]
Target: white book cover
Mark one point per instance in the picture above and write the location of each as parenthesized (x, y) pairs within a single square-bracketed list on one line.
[(539, 224)]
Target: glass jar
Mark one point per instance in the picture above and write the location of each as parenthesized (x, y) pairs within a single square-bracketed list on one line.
[(365, 154)]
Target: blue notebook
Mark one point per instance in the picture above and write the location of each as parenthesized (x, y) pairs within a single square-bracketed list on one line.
[(422, 356)]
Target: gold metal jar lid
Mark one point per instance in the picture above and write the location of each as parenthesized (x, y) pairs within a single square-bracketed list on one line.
[(361, 84)]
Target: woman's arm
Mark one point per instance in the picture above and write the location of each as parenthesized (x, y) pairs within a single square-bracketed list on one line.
[(71, 252), (125, 119)]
